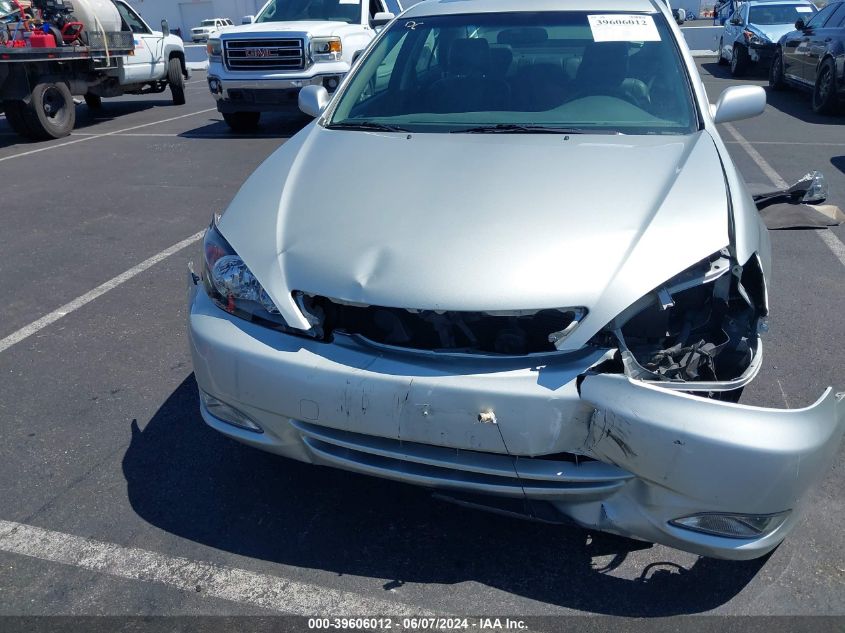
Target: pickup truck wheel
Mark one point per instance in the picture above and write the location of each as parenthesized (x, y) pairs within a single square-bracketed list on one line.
[(824, 92), (242, 121), (176, 81), (51, 112), (95, 102)]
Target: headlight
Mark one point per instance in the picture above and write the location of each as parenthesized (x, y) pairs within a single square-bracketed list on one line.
[(231, 284), (699, 326), (752, 38), (326, 49), (214, 48)]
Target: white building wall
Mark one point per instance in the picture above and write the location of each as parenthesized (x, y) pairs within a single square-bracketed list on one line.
[(177, 11)]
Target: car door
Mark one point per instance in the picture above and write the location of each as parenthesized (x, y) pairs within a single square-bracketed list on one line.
[(147, 60), (820, 40), (804, 63), (733, 29)]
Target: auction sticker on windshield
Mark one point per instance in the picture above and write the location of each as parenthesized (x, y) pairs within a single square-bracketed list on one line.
[(616, 27)]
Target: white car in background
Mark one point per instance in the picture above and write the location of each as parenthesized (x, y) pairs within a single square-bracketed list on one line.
[(207, 28)]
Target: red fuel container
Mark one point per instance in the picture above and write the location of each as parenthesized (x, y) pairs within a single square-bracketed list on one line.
[(38, 39)]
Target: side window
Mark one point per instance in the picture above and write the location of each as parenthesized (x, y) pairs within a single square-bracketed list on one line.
[(394, 7), (839, 17), (131, 19), (818, 20), (376, 6)]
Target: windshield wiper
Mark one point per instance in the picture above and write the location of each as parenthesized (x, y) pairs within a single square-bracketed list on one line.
[(520, 128), (365, 125)]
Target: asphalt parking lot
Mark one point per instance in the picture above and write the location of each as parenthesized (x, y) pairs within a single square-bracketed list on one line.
[(124, 502)]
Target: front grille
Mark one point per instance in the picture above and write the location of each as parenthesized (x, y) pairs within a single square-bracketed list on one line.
[(267, 54), (512, 334)]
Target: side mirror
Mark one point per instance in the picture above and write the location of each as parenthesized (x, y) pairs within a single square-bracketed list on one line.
[(165, 28), (800, 25), (248, 19), (314, 99), (381, 18), (739, 102), (736, 21)]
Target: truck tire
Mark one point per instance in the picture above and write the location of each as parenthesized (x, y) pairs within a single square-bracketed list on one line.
[(176, 81), (242, 121), (94, 102), (51, 112)]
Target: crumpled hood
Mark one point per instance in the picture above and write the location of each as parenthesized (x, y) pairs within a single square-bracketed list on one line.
[(772, 32), (479, 222), (312, 27)]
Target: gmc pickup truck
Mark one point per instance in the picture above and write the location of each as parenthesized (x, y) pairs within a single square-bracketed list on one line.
[(261, 66)]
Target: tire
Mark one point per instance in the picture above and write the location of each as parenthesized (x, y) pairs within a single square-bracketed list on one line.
[(176, 81), (242, 121), (722, 60), (94, 102), (739, 61), (824, 92), (776, 80), (50, 114)]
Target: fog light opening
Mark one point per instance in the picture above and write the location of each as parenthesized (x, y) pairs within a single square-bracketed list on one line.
[(740, 526), (228, 414)]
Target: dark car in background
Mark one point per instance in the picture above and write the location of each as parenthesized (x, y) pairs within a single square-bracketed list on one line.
[(812, 57)]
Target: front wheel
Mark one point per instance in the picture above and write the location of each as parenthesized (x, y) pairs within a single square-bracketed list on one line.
[(776, 81), (824, 92), (242, 121), (739, 61), (176, 81)]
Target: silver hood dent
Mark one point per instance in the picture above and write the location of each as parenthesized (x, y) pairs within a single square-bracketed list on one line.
[(479, 222)]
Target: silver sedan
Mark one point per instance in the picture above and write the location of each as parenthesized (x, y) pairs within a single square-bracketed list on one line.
[(511, 260)]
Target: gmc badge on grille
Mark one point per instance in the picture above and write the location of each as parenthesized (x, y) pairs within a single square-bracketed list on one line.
[(257, 52)]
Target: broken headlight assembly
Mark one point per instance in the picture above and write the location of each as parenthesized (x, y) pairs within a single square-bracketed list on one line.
[(232, 286), (697, 331)]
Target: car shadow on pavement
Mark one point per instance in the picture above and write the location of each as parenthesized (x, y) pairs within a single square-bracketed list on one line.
[(189, 480), (839, 163)]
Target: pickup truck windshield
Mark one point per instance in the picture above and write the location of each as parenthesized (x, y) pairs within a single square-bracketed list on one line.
[(348, 11), (779, 13), (578, 71)]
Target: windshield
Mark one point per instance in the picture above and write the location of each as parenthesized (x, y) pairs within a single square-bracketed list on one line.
[(294, 10), (778, 13), (577, 71), (207, 23)]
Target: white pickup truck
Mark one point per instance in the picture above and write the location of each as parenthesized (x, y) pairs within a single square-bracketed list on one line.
[(261, 66), (37, 83)]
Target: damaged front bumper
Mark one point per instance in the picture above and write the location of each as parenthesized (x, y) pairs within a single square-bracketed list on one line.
[(606, 451)]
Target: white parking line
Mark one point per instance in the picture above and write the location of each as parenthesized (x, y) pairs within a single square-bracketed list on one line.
[(828, 237), (88, 297), (217, 581), (96, 136)]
